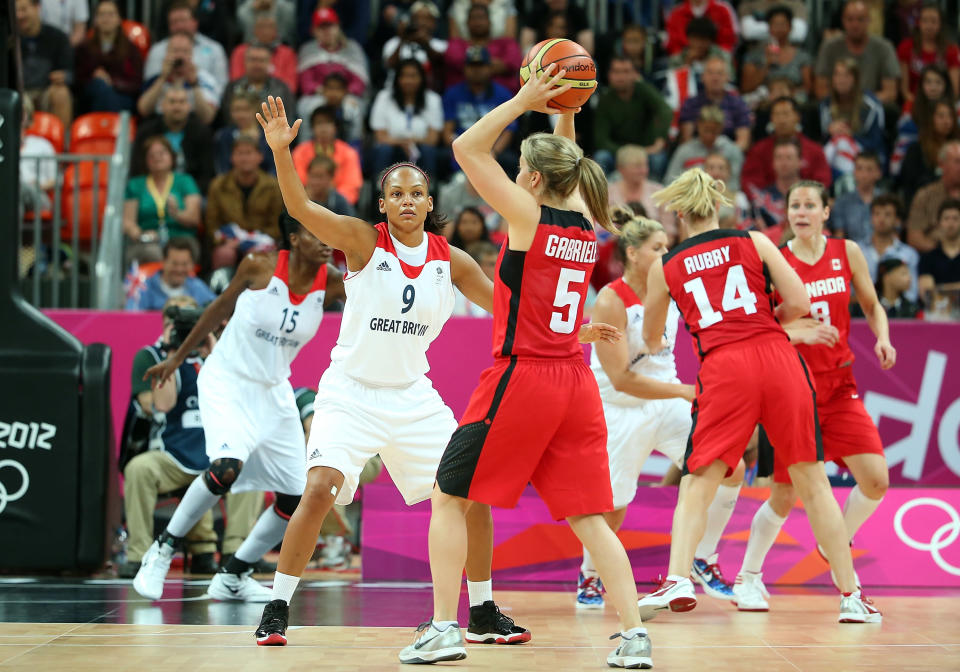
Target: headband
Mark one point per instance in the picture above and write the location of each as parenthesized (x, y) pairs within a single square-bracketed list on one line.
[(403, 165)]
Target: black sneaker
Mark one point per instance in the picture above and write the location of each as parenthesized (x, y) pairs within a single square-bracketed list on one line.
[(128, 570), (273, 625), (488, 625), (203, 563)]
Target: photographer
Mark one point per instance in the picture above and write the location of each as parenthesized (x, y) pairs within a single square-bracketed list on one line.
[(416, 38), (178, 69)]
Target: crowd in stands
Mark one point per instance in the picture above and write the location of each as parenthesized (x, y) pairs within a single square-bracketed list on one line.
[(750, 90)]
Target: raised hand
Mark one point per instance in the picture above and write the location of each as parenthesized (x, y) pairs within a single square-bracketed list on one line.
[(537, 92), (273, 120)]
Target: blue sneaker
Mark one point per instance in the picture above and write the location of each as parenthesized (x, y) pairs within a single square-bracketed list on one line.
[(590, 592), (707, 574)]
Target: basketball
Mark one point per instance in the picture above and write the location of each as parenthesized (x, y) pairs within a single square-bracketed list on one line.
[(570, 56)]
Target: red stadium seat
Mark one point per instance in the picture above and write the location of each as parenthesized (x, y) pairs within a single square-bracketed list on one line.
[(86, 175), (97, 125), (82, 176), (139, 35), (48, 126)]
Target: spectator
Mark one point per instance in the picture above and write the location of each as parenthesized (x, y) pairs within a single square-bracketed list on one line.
[(320, 186), (469, 228), (178, 70), (505, 56), (109, 66), (577, 24), (758, 166), (502, 13), (466, 102), (37, 176), (929, 45), (701, 45), (348, 178), (458, 193), (407, 120), (485, 254), (920, 163), (850, 215), (736, 216), (392, 12), (770, 204), (47, 62), (283, 59), (778, 57), (633, 185), (737, 116), (709, 140), (242, 202), (922, 230), (175, 278), (257, 81), (754, 15), (632, 43), (331, 51), (176, 451), (243, 121), (874, 56), (776, 88), (849, 120), (208, 54), (885, 218), (934, 86), (417, 39), (350, 110), (941, 265), (893, 284), (630, 112), (901, 19), (69, 17), (283, 13), (188, 136), (718, 12), (160, 205)]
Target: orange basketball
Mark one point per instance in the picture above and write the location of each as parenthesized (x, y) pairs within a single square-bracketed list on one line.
[(569, 56)]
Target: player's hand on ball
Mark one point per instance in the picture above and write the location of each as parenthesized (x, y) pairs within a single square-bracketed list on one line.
[(539, 90), (158, 374), (886, 353), (273, 120), (599, 331)]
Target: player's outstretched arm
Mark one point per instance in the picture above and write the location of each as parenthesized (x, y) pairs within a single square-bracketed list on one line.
[(872, 308), (470, 279), (352, 236), (796, 303)]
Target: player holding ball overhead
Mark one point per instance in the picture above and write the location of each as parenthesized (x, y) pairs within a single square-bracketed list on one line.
[(536, 415), (579, 71)]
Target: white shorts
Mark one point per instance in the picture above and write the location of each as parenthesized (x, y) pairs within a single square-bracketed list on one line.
[(352, 422), (257, 424), (633, 432)]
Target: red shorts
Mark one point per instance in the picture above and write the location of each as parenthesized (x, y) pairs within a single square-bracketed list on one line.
[(536, 421), (845, 425), (744, 384)]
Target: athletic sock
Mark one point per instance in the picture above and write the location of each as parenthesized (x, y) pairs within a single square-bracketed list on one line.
[(677, 578), (480, 592), (857, 509), (443, 625), (633, 632), (718, 515), (763, 532), (586, 567), (267, 533), (284, 586), (196, 501)]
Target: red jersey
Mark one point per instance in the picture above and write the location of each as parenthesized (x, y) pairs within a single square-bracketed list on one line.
[(828, 286), (720, 285), (538, 295)]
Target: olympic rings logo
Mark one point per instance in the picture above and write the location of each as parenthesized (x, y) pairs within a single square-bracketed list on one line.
[(945, 535), (5, 495)]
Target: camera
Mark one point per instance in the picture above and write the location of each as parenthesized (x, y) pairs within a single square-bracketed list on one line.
[(411, 31), (184, 320), (178, 63)]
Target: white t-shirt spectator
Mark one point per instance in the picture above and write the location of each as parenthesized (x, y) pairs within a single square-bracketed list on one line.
[(208, 56), (63, 14), (387, 116), (32, 171)]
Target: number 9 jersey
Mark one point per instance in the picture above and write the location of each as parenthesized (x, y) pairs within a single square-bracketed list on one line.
[(538, 299)]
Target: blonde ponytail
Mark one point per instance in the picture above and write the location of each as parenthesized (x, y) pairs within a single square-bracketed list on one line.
[(593, 187), (695, 195)]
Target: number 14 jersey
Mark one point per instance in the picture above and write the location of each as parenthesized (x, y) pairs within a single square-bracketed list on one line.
[(538, 294), (721, 287)]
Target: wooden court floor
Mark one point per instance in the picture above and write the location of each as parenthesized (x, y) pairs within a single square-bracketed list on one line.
[(800, 633)]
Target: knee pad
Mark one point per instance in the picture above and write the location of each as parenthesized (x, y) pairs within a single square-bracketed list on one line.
[(222, 474), (285, 505)]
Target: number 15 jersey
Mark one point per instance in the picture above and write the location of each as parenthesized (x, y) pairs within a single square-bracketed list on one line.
[(538, 294), (721, 286)]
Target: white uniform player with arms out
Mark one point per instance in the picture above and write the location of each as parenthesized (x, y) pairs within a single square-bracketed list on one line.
[(249, 414)]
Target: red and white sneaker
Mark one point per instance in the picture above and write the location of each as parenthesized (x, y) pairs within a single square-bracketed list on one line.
[(855, 608), (670, 594)]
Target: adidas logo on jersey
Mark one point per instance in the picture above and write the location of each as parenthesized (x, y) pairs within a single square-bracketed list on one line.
[(274, 291), (315, 454), (384, 266)]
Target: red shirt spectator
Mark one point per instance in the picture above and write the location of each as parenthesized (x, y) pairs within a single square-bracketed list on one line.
[(348, 178), (719, 12)]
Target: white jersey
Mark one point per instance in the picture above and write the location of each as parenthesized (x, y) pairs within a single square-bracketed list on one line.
[(393, 313), (661, 366), (269, 327)]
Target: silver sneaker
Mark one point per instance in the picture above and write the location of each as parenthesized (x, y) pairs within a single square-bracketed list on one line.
[(227, 586), (633, 652), (855, 608), (749, 593), (433, 645), (153, 570)]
